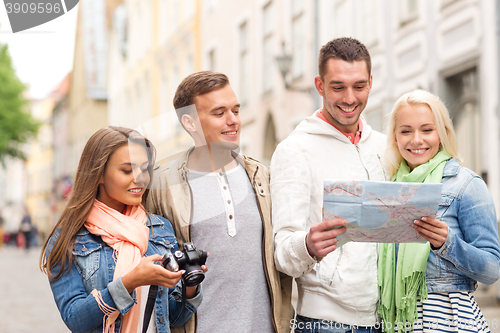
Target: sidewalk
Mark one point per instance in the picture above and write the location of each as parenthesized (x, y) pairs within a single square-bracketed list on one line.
[(486, 299), (26, 304)]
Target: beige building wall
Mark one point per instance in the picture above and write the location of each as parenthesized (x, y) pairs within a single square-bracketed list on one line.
[(86, 115), (153, 45), (241, 39), (39, 169), (448, 47)]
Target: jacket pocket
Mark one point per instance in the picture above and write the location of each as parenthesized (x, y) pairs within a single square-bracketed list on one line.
[(328, 268), (444, 267), (444, 204), (87, 256), (163, 240)]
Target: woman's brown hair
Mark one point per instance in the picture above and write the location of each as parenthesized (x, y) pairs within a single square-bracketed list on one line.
[(99, 148)]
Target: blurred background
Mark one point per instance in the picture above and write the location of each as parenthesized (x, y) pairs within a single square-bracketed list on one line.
[(128, 56)]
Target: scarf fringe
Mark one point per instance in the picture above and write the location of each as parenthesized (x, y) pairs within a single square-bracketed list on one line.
[(110, 313), (406, 311)]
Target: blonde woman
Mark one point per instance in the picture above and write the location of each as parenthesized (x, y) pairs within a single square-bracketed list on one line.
[(429, 286)]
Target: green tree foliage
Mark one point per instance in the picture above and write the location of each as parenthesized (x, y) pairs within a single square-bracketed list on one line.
[(17, 125)]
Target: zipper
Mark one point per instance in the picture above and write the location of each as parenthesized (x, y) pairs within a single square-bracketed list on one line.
[(337, 267), (382, 166), (362, 163)]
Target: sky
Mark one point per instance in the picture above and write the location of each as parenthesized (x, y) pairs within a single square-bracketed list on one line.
[(42, 55)]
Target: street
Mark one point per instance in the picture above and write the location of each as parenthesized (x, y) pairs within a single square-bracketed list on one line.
[(27, 305)]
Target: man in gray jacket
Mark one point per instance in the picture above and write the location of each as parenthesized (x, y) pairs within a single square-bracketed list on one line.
[(337, 288), (220, 201)]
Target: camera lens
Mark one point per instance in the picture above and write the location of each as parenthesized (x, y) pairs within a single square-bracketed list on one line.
[(193, 278)]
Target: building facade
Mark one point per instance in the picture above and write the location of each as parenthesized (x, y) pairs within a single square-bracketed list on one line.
[(448, 47), (153, 45)]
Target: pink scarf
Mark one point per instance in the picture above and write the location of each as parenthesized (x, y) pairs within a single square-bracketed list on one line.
[(128, 235)]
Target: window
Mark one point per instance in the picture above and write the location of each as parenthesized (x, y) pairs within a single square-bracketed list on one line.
[(268, 48), (163, 21), (138, 105), (408, 10), (211, 5), (369, 28), (147, 112), (174, 14), (297, 7), (141, 45), (244, 65), (189, 8), (298, 46), (176, 80), (189, 64), (341, 21), (211, 59), (147, 22)]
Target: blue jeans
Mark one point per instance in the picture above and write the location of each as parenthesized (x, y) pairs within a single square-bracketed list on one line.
[(309, 325)]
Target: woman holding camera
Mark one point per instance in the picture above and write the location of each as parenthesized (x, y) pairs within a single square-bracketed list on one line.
[(428, 287), (100, 256)]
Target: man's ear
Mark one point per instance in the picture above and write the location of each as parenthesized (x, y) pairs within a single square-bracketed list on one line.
[(318, 83), (188, 123)]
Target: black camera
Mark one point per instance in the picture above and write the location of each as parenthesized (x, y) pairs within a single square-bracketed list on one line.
[(189, 259)]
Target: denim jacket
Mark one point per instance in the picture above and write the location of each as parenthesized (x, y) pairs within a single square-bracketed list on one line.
[(471, 251), (93, 268)]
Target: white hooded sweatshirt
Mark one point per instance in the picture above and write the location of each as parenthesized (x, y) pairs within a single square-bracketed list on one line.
[(343, 286)]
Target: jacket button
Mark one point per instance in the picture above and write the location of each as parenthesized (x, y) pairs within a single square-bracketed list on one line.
[(160, 292), (259, 184), (177, 297), (161, 320), (167, 242), (84, 249), (261, 191)]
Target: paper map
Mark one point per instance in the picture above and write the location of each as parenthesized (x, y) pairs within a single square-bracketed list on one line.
[(380, 212)]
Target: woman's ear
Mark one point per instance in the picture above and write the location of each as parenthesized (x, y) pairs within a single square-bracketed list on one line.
[(188, 123)]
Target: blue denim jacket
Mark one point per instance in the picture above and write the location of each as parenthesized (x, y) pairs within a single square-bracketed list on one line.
[(471, 251), (93, 268)]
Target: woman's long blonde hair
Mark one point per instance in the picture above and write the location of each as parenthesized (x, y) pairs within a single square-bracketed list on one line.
[(99, 148), (442, 119)]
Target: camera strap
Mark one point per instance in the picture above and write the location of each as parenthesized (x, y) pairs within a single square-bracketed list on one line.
[(150, 304)]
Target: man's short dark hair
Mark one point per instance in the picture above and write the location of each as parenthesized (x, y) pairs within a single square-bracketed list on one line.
[(344, 48), (193, 85), (196, 84)]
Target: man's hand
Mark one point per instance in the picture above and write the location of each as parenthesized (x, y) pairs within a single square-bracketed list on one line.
[(322, 237)]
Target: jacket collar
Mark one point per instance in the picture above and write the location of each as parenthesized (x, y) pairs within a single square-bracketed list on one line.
[(451, 168), (314, 125)]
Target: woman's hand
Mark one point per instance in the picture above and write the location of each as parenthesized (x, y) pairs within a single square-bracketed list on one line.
[(149, 273), (432, 230)]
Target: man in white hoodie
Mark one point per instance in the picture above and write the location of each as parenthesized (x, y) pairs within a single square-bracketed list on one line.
[(337, 288)]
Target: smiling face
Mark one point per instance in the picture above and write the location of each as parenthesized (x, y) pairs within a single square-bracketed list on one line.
[(218, 113), (125, 178), (345, 88), (416, 134)]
